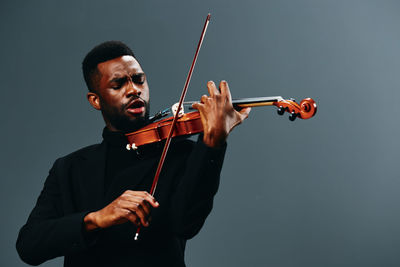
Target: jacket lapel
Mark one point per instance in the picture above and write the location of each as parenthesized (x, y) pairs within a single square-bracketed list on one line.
[(92, 169)]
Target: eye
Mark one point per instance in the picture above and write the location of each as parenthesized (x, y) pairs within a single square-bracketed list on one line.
[(118, 83), (116, 87), (139, 79)]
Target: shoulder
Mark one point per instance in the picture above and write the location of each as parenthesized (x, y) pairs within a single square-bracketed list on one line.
[(64, 166), (83, 153)]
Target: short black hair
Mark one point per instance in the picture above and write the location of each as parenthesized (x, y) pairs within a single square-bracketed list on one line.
[(101, 53)]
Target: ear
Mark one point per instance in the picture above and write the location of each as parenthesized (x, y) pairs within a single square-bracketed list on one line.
[(94, 100)]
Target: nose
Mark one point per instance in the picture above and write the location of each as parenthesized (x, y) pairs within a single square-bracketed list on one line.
[(132, 89)]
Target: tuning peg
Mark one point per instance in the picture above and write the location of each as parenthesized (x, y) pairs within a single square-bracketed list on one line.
[(281, 110), (292, 116)]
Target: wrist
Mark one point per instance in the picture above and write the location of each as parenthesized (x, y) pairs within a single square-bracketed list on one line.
[(90, 221), (211, 141)]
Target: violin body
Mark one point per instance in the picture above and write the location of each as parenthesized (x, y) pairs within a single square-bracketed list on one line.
[(187, 124)]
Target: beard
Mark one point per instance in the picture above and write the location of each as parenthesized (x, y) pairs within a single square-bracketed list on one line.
[(119, 120)]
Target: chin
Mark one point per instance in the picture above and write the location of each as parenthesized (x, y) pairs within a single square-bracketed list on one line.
[(128, 123), (133, 125)]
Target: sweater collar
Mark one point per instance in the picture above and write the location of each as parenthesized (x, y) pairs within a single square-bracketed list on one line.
[(114, 138)]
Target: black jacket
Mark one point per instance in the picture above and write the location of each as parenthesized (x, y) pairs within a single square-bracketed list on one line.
[(75, 187)]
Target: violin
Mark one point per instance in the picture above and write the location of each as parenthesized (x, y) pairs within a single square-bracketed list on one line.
[(190, 123)]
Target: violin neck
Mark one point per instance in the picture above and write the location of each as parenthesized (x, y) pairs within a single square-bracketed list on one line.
[(249, 102), (256, 101)]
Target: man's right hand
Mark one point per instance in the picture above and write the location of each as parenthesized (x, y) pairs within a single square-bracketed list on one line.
[(131, 206)]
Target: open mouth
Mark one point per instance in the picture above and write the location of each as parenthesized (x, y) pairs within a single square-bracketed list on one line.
[(136, 107)]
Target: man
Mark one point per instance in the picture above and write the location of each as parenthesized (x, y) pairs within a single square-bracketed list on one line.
[(95, 198)]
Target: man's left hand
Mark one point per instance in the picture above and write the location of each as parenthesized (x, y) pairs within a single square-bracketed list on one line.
[(218, 115)]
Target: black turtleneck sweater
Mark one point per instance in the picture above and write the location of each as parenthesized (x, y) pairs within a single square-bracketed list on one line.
[(118, 158)]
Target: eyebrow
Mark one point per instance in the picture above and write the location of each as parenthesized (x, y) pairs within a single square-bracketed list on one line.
[(120, 79)]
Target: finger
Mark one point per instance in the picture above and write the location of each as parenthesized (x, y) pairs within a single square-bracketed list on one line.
[(136, 206), (224, 87), (145, 195), (141, 201), (146, 206), (198, 106), (132, 217), (203, 99), (138, 210), (212, 89), (201, 107), (202, 116), (142, 214), (151, 200)]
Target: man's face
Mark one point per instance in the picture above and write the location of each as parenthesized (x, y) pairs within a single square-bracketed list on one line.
[(122, 94)]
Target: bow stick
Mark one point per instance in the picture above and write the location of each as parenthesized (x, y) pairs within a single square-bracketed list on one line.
[(171, 130)]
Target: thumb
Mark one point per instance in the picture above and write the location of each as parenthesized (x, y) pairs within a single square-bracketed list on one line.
[(244, 113), (240, 117)]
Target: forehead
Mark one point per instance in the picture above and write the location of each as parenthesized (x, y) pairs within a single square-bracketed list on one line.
[(119, 67)]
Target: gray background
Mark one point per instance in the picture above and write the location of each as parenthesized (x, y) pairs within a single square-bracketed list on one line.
[(321, 192)]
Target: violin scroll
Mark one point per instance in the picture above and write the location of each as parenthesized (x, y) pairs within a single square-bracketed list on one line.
[(305, 110)]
